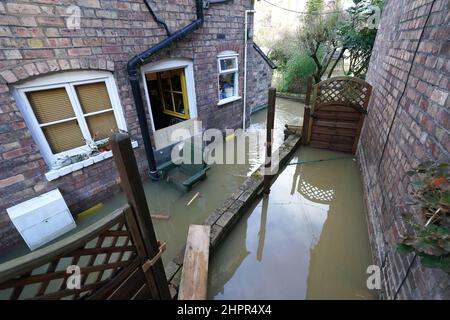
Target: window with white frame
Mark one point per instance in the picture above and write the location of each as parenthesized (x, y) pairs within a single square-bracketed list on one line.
[(228, 76), (67, 112)]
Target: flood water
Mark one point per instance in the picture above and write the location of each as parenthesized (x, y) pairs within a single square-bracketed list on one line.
[(307, 240), (221, 182)]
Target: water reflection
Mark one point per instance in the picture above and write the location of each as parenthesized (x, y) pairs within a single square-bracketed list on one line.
[(308, 239)]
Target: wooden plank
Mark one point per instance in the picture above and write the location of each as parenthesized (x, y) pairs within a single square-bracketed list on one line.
[(337, 115), (270, 124), (129, 287), (332, 138), (306, 125), (142, 294), (336, 108), (131, 184), (117, 278), (331, 124), (334, 131), (194, 276)]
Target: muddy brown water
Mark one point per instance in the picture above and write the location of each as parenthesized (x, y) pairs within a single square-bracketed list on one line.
[(307, 240)]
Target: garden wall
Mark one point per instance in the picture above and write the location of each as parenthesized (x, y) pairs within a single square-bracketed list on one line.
[(407, 123)]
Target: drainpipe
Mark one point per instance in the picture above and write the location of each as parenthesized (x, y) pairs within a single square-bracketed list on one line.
[(133, 76), (245, 67)]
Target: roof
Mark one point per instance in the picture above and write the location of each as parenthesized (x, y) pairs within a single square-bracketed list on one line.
[(264, 56)]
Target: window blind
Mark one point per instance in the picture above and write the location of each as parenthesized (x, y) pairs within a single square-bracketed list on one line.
[(64, 136), (93, 97), (102, 125), (51, 105)]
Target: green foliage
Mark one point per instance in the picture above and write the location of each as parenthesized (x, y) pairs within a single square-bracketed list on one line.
[(431, 190), (357, 36), (299, 65), (315, 6)]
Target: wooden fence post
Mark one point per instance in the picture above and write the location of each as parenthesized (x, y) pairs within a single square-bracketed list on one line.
[(307, 112), (308, 91), (132, 186), (270, 125)]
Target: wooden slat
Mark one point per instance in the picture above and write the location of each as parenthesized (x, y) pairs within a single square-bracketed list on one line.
[(35, 259), (332, 138), (58, 275), (331, 124), (194, 277), (142, 294), (336, 115), (334, 131), (100, 250), (129, 287), (117, 278)]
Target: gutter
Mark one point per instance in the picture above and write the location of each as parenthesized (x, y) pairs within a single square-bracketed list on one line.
[(271, 64), (133, 76)]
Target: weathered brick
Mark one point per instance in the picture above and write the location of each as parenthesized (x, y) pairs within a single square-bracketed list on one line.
[(11, 180), (23, 8)]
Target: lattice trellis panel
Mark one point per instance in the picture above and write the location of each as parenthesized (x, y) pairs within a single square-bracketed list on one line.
[(315, 194), (343, 91), (99, 258)]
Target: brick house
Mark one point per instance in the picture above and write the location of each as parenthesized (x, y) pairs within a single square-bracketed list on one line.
[(65, 82), (407, 123)]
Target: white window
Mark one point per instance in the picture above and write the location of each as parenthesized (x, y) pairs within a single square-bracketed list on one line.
[(228, 76), (67, 112)]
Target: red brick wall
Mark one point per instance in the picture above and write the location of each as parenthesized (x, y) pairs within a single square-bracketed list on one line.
[(408, 122), (35, 42)]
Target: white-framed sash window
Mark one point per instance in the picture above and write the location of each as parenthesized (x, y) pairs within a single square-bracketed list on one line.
[(228, 68), (66, 112)]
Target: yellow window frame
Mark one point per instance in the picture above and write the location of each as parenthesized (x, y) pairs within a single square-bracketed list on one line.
[(166, 110)]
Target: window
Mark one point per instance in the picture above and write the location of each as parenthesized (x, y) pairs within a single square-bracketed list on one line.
[(228, 76), (65, 112), (172, 90)]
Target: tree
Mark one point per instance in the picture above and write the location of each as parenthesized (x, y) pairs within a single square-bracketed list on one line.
[(317, 35)]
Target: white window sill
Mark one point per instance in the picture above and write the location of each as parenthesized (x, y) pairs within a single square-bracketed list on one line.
[(57, 173), (228, 100)]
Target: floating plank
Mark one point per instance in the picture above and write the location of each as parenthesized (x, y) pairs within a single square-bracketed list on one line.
[(160, 216), (193, 198), (194, 276)]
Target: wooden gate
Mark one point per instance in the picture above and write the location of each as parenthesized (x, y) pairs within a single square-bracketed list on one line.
[(339, 106), (116, 257)]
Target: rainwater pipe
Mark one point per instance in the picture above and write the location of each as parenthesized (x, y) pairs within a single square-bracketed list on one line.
[(244, 115), (133, 77)]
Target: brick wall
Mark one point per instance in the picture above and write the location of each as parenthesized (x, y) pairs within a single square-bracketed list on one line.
[(35, 42), (408, 122), (259, 80)]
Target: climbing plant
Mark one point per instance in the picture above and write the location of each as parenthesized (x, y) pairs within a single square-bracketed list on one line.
[(356, 34), (431, 237)]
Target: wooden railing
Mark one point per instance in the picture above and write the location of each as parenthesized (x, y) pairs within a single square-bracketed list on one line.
[(116, 257)]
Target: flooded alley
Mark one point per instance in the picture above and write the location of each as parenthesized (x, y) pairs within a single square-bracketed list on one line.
[(307, 240)]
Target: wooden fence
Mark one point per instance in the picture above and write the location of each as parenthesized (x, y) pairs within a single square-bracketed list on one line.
[(338, 110), (116, 257)]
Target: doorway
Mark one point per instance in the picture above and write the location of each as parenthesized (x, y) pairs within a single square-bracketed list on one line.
[(168, 97)]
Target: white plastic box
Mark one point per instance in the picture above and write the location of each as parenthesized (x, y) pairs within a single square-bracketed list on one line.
[(42, 219)]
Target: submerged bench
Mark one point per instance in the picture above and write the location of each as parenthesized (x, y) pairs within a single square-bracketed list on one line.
[(194, 276)]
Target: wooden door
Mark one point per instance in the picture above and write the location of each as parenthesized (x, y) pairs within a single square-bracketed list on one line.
[(339, 107)]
